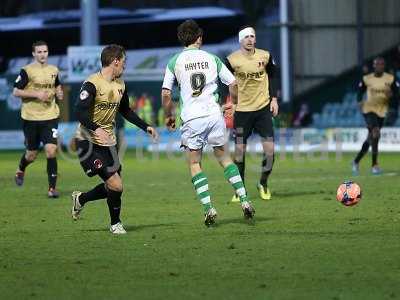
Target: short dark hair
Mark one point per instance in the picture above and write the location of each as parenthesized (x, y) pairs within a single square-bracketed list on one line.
[(110, 53), (245, 26), (37, 44), (188, 32)]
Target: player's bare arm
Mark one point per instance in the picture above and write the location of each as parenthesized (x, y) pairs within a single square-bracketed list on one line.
[(274, 106), (168, 107), (229, 109)]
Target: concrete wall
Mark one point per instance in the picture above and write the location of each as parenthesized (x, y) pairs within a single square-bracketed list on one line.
[(324, 36)]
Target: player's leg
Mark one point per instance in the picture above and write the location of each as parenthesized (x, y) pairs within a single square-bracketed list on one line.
[(232, 174), (266, 169), (92, 160), (200, 184), (32, 142), (242, 128), (52, 169), (48, 136), (114, 193), (217, 138), (27, 158), (365, 146), (264, 127), (193, 139), (375, 136)]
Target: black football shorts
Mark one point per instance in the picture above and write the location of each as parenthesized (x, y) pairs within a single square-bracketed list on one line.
[(98, 160), (373, 120), (37, 132), (260, 122)]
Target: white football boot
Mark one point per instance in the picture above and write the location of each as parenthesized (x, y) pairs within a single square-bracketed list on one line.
[(76, 206), (117, 229)]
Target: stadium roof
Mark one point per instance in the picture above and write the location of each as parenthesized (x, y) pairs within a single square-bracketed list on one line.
[(71, 18)]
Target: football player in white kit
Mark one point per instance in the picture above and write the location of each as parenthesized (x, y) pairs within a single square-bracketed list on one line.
[(197, 72)]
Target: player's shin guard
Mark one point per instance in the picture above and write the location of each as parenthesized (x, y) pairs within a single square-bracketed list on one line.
[(98, 192), (363, 151), (23, 163), (52, 171), (114, 205), (200, 183), (266, 168), (232, 174)]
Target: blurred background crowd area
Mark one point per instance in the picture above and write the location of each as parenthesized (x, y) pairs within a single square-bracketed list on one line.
[(330, 45)]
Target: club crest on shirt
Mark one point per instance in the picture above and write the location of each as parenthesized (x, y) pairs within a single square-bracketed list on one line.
[(83, 95), (98, 163)]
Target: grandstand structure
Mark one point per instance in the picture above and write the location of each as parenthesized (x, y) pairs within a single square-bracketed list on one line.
[(329, 42)]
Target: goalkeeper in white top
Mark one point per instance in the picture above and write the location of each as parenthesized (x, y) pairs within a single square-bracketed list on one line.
[(197, 72)]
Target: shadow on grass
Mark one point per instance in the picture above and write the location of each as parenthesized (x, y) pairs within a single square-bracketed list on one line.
[(222, 222), (132, 227), (145, 226), (289, 194), (317, 234)]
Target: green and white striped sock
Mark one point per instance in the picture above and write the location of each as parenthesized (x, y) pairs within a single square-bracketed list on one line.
[(200, 183), (232, 174)]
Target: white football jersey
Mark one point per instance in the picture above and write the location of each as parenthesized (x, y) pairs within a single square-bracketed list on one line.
[(197, 72)]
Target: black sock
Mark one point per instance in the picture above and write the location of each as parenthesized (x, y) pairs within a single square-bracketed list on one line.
[(374, 146), (23, 163), (98, 192), (363, 151), (241, 166), (52, 171), (266, 170), (114, 205)]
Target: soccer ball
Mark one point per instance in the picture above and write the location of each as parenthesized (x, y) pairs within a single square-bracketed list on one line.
[(348, 193)]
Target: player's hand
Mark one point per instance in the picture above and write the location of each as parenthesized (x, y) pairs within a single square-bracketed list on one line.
[(154, 134), (102, 135), (229, 110), (170, 123), (59, 93), (274, 107), (43, 96)]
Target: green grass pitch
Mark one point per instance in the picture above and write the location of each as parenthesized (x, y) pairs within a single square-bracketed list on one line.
[(302, 245)]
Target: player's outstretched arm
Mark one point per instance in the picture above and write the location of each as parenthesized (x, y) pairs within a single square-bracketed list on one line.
[(130, 115)]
